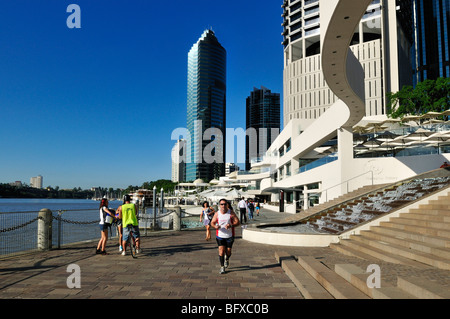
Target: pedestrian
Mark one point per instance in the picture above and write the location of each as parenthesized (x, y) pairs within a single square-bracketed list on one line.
[(224, 221), (251, 208), (118, 221), (129, 213), (243, 210), (205, 218), (106, 218), (257, 208)]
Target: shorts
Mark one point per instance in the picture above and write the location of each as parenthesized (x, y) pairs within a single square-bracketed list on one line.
[(228, 242), (126, 232), (103, 227)]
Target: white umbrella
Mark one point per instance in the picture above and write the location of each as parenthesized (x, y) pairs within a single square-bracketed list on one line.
[(373, 142), (359, 129), (386, 136), (438, 137), (375, 126), (402, 140), (408, 118), (420, 134), (433, 121), (391, 121), (430, 115)]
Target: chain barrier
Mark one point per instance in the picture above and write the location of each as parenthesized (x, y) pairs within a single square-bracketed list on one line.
[(4, 230), (59, 218)]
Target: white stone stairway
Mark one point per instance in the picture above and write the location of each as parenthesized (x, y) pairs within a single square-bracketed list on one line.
[(420, 236)]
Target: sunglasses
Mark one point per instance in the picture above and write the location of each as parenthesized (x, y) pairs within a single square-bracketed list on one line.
[(222, 204)]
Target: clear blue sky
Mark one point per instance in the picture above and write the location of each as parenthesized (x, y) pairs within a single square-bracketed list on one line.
[(96, 106)]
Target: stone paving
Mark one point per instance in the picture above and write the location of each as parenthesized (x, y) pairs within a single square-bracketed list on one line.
[(173, 265)]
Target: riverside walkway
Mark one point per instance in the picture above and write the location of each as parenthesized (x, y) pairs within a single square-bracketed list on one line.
[(172, 265)]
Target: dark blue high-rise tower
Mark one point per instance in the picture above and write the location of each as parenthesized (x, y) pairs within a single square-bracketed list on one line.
[(432, 19), (206, 109)]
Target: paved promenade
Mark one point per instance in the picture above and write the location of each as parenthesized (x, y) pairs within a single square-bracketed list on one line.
[(173, 265)]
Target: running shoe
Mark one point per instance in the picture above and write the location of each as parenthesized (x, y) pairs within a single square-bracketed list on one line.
[(222, 270)]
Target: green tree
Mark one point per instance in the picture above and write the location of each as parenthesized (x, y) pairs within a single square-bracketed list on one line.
[(166, 184), (427, 96)]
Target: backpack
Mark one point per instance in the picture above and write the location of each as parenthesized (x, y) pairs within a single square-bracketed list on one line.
[(108, 218)]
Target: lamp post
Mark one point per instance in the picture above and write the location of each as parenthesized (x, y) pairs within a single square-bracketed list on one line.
[(154, 207)]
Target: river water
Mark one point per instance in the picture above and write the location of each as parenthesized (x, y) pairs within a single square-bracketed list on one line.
[(18, 227)]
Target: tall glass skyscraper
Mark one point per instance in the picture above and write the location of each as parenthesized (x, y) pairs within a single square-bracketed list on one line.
[(262, 115), (206, 109), (432, 20)]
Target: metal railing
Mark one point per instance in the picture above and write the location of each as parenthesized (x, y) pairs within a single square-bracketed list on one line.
[(19, 230), (347, 185)]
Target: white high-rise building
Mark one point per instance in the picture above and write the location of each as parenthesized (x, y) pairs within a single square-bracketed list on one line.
[(381, 42), (179, 161), (37, 181)]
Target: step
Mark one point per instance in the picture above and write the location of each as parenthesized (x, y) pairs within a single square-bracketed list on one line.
[(435, 261), (424, 289), (306, 284), (421, 223), (397, 224), (441, 200), (380, 254), (352, 251), (338, 287), (358, 278), (443, 212), (431, 217), (399, 233), (442, 206), (407, 243)]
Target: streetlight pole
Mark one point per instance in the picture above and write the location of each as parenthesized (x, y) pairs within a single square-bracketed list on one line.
[(154, 207)]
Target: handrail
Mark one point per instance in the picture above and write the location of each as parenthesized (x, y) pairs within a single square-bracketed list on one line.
[(326, 190)]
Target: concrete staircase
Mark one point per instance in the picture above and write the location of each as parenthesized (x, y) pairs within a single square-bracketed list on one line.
[(416, 237), (419, 237), (347, 281)]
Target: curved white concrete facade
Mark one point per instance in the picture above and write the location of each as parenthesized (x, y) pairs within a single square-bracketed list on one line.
[(341, 69), (345, 76)]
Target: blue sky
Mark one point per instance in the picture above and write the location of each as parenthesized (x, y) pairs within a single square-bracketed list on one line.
[(96, 106)]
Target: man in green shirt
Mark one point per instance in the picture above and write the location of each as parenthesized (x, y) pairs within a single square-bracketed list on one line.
[(128, 214)]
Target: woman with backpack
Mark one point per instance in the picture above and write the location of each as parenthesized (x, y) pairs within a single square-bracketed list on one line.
[(106, 218)]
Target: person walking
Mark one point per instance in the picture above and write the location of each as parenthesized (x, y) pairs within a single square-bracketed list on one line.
[(257, 208), (224, 221), (243, 210), (128, 213), (251, 208), (119, 228), (205, 218), (106, 218)]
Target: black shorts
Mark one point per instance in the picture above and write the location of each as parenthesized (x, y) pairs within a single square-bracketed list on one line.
[(228, 242)]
